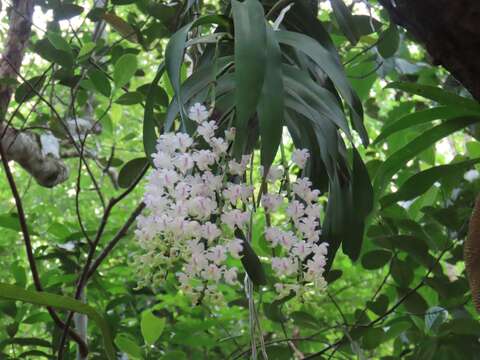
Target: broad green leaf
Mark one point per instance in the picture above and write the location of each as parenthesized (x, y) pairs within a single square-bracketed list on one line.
[(421, 182), (250, 57), (100, 81), (131, 171), (375, 259), (421, 117), (151, 326), (437, 94), (28, 89), (271, 106), (49, 52), (127, 344), (345, 20), (124, 69), (12, 292), (398, 159), (388, 41)]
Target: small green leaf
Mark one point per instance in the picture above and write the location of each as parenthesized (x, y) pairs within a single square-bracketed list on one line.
[(401, 272), (59, 42), (375, 259), (251, 262), (86, 49), (128, 345), (100, 81), (66, 11), (345, 20), (25, 92), (131, 171), (388, 41), (414, 302), (130, 98), (124, 69), (380, 305), (151, 326)]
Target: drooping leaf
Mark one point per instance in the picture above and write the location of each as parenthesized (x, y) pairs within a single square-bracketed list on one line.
[(332, 67), (149, 124), (271, 106), (64, 303), (251, 263), (250, 56)]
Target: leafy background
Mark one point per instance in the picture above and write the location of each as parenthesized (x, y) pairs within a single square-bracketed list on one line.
[(402, 294)]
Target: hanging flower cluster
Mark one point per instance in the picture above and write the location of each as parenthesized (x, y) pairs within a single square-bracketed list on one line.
[(198, 199)]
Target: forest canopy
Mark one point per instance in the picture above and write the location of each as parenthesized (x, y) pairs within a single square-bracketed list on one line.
[(276, 179)]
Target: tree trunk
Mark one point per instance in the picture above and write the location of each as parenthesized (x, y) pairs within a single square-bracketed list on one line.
[(450, 31)]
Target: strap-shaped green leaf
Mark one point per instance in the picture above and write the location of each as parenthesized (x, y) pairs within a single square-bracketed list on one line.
[(421, 117), (332, 67), (398, 159), (419, 183), (437, 94), (250, 55), (271, 105), (175, 51), (149, 125), (13, 292)]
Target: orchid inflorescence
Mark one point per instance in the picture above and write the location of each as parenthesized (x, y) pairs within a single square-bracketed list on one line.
[(199, 199)]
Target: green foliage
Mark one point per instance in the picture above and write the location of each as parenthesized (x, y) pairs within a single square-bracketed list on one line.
[(391, 139)]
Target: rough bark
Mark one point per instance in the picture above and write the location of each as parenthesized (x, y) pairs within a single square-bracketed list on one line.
[(20, 27), (471, 252), (23, 147), (450, 31)]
